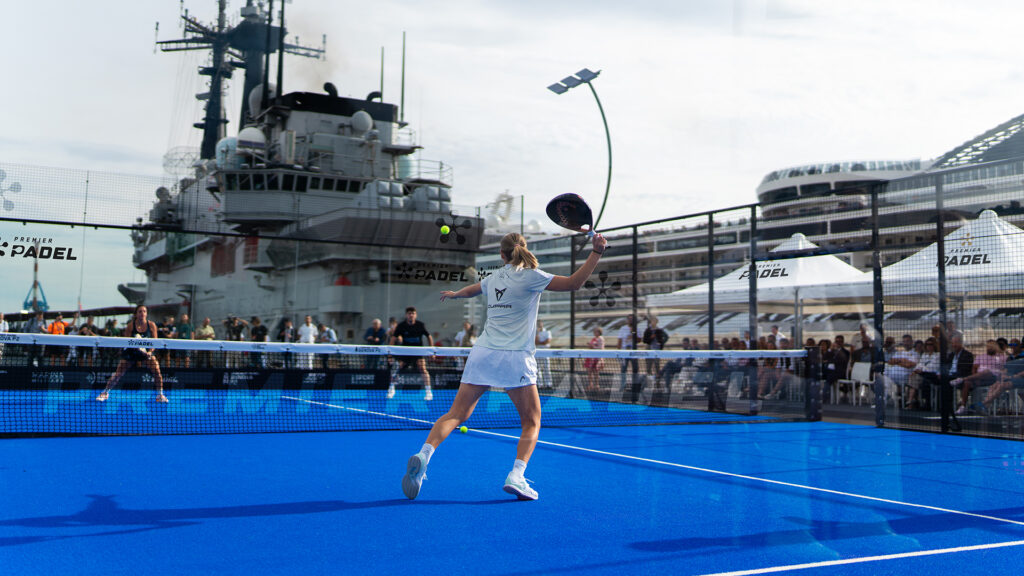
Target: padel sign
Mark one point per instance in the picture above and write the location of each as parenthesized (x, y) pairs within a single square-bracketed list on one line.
[(31, 247)]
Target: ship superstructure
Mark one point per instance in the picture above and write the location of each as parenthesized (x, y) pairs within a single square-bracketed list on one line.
[(319, 205)]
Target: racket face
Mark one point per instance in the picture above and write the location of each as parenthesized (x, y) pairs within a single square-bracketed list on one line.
[(571, 212)]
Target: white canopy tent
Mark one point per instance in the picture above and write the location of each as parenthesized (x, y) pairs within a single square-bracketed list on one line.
[(785, 285), (778, 281), (984, 270), (982, 257)]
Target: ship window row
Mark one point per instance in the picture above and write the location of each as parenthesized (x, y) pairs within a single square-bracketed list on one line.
[(289, 183), (972, 174), (839, 167)]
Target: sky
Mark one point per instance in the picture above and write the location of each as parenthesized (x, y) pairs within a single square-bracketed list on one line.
[(703, 97)]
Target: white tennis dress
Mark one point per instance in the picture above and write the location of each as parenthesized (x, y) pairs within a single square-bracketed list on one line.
[(503, 355)]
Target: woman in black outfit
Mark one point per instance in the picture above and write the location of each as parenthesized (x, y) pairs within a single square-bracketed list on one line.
[(139, 327)]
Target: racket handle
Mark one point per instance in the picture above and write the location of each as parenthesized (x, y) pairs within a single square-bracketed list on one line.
[(590, 234)]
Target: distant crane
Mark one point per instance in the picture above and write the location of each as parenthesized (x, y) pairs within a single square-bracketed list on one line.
[(35, 300)]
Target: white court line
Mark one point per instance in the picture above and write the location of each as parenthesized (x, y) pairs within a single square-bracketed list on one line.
[(867, 559), (686, 467)]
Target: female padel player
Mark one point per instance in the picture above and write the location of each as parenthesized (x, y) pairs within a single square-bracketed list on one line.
[(140, 326), (503, 356)]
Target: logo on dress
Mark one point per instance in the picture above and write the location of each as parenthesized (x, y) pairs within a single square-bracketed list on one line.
[(499, 293)]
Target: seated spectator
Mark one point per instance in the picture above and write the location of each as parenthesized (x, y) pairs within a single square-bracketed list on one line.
[(1013, 376), (767, 374), (924, 376), (988, 369), (902, 362)]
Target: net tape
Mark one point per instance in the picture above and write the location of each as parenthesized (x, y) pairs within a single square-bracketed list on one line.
[(361, 350)]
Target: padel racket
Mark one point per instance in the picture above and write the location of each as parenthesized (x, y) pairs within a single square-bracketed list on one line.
[(571, 212)]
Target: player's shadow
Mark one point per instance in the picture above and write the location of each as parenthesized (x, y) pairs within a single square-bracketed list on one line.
[(105, 511)]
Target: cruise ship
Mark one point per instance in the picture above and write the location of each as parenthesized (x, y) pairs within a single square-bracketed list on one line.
[(318, 205), (829, 203)]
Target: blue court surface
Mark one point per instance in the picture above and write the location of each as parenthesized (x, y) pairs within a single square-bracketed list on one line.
[(804, 498)]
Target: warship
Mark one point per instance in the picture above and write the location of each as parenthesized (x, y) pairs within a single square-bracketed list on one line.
[(317, 204)]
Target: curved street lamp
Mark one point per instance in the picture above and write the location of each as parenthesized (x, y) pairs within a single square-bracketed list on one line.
[(585, 76)]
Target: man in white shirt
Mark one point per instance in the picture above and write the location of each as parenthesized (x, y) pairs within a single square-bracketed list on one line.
[(627, 332), (543, 340), (902, 362), (307, 335)]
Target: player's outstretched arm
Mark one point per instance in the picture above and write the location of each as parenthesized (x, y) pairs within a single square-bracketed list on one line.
[(575, 282), (465, 292)]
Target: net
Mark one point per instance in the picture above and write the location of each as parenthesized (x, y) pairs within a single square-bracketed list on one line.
[(50, 385)]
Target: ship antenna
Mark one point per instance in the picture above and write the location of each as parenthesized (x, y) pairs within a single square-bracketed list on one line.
[(266, 59), (401, 108), (382, 72), (280, 54)]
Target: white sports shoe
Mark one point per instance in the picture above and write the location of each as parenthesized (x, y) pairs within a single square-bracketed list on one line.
[(519, 486), (429, 395), (391, 390), (415, 474)]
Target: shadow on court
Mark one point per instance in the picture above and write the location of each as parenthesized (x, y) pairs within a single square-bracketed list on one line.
[(105, 511), (823, 531)]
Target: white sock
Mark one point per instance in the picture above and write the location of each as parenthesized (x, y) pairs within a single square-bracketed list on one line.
[(519, 468), (427, 451)]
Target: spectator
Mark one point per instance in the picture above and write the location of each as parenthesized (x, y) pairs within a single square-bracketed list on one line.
[(89, 357), (258, 333), (951, 330), (71, 329), (234, 328), (988, 369), (35, 325), (4, 327), (183, 331), (866, 352), (392, 324), (768, 375), (902, 362), (542, 340), (412, 332), (627, 335), (110, 356), (165, 330), (841, 358), (594, 365), (924, 376), (828, 365), (307, 335), (56, 353), (655, 338), (470, 338), (376, 335), (1012, 376), (287, 334), (325, 335), (461, 335), (205, 332)]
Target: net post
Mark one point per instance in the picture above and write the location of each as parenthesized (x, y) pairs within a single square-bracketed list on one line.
[(878, 381), (752, 386), (711, 281), (945, 396), (636, 265)]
